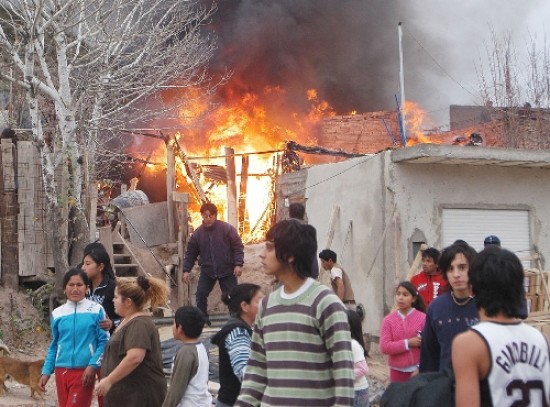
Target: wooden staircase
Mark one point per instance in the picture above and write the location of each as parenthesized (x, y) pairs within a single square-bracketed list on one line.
[(125, 264)]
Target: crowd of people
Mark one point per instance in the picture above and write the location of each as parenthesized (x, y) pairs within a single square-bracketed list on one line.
[(472, 327), (301, 344)]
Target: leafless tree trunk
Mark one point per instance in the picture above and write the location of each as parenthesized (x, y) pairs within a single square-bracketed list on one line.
[(90, 68)]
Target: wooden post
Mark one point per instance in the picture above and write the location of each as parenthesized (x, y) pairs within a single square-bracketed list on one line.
[(31, 245), (231, 187), (8, 216), (190, 172), (183, 293), (170, 185), (106, 239), (397, 249), (542, 278), (332, 225), (244, 223)]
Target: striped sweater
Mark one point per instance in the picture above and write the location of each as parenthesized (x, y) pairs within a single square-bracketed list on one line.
[(301, 352)]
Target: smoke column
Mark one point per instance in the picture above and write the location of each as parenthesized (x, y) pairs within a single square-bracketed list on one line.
[(348, 51), (340, 48)]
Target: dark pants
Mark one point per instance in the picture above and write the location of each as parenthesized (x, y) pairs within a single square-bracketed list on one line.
[(205, 286)]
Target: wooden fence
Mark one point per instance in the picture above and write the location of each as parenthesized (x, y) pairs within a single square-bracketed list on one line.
[(24, 247)]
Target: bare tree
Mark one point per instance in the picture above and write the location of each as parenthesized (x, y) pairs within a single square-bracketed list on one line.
[(90, 68), (515, 84)]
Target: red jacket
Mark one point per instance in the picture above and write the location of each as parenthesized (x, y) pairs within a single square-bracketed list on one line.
[(429, 286)]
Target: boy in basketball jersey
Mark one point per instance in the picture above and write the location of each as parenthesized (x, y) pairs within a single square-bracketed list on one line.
[(501, 361)]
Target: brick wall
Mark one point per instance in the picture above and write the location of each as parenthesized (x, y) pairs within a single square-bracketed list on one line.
[(361, 133), (525, 128)]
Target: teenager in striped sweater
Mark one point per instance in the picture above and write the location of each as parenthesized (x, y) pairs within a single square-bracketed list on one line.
[(301, 345)]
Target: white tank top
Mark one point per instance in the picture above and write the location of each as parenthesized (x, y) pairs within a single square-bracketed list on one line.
[(519, 374)]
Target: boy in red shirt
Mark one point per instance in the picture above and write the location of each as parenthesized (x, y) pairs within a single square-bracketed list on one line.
[(429, 281)]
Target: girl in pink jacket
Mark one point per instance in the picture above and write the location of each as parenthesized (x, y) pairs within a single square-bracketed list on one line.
[(400, 335)]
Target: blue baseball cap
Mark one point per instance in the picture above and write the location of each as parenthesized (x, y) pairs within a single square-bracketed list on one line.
[(491, 239)]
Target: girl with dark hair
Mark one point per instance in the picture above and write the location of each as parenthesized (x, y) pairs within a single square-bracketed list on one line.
[(132, 372), (400, 335), (360, 368), (96, 262), (77, 343), (234, 339)]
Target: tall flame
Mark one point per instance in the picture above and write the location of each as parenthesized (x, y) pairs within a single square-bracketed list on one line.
[(253, 124)]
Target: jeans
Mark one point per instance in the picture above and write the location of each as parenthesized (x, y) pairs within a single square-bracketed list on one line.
[(361, 398), (205, 286)]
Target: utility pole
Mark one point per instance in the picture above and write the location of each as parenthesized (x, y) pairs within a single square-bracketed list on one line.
[(402, 85)]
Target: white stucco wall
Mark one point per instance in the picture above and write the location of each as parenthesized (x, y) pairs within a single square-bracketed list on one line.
[(387, 200), (355, 186)]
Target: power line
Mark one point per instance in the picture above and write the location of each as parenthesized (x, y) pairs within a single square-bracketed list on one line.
[(439, 65)]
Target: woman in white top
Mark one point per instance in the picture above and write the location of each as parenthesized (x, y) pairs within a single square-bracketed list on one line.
[(360, 368)]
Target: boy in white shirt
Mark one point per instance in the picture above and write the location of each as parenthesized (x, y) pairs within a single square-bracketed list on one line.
[(189, 378)]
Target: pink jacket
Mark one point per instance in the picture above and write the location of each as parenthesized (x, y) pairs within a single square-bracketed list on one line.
[(394, 331)]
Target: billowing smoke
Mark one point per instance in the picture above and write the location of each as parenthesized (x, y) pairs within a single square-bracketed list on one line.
[(348, 49), (344, 49)]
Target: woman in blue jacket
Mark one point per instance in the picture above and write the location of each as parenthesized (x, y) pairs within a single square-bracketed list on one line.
[(77, 343)]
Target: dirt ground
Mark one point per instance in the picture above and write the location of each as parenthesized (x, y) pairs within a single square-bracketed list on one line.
[(26, 333)]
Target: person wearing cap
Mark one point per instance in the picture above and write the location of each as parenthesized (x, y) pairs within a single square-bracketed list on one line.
[(429, 281), (491, 240), (339, 280)]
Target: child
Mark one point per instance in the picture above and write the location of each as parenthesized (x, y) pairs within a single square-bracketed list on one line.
[(189, 379), (301, 345), (361, 385), (400, 335), (77, 343), (235, 338)]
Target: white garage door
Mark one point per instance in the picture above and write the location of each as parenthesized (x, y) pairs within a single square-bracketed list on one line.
[(473, 225)]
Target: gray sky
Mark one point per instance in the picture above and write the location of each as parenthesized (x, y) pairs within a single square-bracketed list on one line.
[(348, 49), (456, 35)]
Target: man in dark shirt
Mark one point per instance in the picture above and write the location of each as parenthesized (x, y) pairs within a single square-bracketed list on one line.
[(220, 252), (451, 313)]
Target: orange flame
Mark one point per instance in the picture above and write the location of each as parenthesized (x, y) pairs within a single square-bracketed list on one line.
[(249, 123), (416, 121)]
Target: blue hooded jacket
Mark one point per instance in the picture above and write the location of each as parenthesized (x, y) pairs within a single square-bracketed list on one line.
[(77, 339)]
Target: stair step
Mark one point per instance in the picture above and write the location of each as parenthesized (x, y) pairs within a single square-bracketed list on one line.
[(218, 320), (125, 265), (121, 255)]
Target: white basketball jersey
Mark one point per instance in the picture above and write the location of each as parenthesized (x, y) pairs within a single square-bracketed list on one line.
[(520, 367)]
